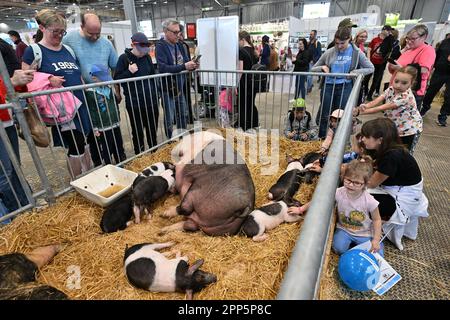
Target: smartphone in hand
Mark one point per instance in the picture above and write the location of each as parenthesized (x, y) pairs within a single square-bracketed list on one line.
[(196, 59)]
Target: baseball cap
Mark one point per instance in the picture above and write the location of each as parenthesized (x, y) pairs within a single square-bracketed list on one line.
[(347, 23), (338, 113), (387, 28), (100, 71), (141, 42), (299, 104)]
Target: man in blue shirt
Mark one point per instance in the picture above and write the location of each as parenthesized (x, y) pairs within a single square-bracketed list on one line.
[(316, 49), (172, 58), (90, 48)]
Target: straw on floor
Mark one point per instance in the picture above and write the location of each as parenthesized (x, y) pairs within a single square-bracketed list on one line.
[(91, 264)]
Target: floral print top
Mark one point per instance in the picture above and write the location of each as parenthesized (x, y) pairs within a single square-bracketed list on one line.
[(406, 115)]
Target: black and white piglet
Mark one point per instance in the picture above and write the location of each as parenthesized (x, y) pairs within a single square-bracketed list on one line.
[(118, 215), (148, 269), (267, 217), (149, 190), (307, 161), (289, 182), (157, 168)]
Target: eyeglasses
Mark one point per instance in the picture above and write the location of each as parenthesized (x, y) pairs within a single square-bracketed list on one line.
[(413, 39), (355, 183), (177, 32), (58, 32), (143, 44)]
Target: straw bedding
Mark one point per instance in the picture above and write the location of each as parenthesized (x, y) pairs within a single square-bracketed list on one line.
[(245, 269)]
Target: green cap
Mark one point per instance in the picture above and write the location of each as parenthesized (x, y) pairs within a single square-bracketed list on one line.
[(299, 104), (347, 23)]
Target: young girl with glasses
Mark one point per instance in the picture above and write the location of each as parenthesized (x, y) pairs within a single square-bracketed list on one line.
[(359, 220)]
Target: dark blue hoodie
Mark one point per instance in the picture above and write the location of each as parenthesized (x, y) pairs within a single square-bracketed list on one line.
[(144, 90)]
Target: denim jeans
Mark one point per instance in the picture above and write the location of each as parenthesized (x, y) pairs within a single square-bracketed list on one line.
[(300, 88), (170, 105), (333, 96), (309, 84), (3, 212), (7, 171), (343, 240)]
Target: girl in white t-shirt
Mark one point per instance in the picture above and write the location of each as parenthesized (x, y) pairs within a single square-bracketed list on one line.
[(399, 105), (358, 216)]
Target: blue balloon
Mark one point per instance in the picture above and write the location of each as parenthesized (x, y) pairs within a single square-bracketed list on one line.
[(359, 269)]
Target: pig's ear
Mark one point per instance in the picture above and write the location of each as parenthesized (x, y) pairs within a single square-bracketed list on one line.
[(195, 266)]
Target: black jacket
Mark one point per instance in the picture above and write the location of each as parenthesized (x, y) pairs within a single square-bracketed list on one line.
[(442, 65), (9, 56), (302, 60), (142, 91)]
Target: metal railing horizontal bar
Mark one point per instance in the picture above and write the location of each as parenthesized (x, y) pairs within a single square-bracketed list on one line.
[(98, 84), (321, 74), (24, 208)]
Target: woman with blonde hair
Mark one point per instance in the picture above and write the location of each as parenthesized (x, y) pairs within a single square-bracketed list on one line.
[(360, 39), (59, 61)]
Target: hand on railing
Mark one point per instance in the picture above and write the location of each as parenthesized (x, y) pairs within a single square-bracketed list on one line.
[(325, 69)]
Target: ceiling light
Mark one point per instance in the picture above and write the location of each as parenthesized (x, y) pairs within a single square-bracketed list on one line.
[(217, 1)]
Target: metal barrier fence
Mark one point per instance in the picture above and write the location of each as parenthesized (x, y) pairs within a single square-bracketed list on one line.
[(249, 100)]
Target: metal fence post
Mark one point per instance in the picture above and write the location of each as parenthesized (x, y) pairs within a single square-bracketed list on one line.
[(12, 96)]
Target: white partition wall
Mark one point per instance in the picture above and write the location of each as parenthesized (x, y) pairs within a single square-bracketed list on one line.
[(218, 43)]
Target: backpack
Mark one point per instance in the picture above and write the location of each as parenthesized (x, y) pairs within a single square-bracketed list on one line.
[(418, 83), (37, 52), (259, 80)]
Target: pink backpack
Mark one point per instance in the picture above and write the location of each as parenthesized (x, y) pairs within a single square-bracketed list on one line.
[(56, 108), (226, 100)]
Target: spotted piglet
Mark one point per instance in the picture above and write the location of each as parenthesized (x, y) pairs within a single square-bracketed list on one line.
[(148, 269), (157, 168), (149, 190), (289, 182), (117, 216), (267, 217)]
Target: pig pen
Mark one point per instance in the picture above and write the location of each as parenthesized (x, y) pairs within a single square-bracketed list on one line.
[(91, 264)]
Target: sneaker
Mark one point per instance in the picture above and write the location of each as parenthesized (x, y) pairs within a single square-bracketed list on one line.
[(441, 123), (376, 95)]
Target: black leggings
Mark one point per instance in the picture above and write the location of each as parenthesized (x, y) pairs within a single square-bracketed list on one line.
[(386, 205), (75, 141)]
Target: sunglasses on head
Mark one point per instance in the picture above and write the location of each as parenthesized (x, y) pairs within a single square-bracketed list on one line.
[(142, 44)]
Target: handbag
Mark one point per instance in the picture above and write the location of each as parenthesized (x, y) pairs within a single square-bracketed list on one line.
[(39, 131)]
